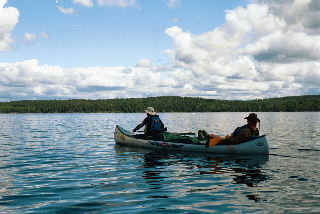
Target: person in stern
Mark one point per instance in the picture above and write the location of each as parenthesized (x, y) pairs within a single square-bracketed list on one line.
[(239, 135), (153, 126)]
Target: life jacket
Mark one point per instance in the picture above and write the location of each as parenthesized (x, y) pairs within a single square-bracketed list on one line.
[(254, 133), (156, 124)]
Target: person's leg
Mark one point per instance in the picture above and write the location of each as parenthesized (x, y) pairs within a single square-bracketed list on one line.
[(158, 136), (140, 136)]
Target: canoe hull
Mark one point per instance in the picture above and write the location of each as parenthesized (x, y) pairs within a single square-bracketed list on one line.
[(253, 147)]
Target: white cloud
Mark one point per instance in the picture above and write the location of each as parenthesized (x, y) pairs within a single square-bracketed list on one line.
[(44, 81), (118, 3), (260, 51), (30, 37), (255, 19), (44, 35), (86, 3), (284, 47), (144, 63), (31, 80), (175, 20), (173, 3), (301, 15), (9, 17), (66, 10)]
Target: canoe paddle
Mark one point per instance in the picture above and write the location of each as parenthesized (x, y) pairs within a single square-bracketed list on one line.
[(175, 133)]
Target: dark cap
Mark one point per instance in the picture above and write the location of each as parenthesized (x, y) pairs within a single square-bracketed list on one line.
[(252, 117)]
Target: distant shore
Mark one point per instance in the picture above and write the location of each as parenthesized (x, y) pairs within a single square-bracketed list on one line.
[(164, 104)]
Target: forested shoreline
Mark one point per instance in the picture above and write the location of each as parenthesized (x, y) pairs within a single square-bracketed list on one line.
[(163, 104)]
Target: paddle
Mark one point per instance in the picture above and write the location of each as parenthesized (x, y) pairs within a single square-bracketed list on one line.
[(175, 133), (183, 133)]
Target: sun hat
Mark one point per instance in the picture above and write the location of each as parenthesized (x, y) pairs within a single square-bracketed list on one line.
[(150, 110), (252, 117)]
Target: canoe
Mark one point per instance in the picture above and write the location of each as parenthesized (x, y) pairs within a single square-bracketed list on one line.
[(256, 146)]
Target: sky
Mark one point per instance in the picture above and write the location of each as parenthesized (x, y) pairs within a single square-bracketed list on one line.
[(101, 49)]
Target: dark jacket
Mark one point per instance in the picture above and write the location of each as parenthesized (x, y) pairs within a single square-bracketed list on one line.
[(153, 125)]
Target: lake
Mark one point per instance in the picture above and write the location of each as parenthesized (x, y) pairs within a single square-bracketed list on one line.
[(69, 163)]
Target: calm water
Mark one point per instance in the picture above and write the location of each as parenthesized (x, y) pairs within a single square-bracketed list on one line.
[(68, 163)]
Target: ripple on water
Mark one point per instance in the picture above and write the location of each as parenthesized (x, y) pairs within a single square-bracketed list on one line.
[(67, 163)]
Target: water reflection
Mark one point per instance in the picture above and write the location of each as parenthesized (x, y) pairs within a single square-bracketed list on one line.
[(152, 174), (243, 170), (161, 169), (58, 163)]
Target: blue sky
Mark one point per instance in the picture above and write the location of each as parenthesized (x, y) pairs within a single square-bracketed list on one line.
[(107, 35), (98, 49)]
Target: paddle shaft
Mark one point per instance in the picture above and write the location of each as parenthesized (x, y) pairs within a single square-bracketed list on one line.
[(186, 133)]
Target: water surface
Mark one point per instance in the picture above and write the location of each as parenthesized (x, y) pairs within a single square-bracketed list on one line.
[(68, 163)]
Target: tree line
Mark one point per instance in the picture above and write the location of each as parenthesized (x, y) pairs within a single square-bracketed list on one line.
[(163, 104)]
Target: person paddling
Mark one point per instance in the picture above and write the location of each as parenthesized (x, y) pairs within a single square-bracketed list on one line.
[(154, 127)]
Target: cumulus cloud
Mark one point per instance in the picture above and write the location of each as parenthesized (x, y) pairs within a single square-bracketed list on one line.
[(262, 50), (66, 10), (284, 47), (86, 3), (31, 80), (30, 37), (144, 63), (267, 48), (173, 3), (44, 35), (9, 17), (301, 15), (117, 3), (176, 20)]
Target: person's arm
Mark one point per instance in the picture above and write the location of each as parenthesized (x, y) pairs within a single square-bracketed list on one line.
[(140, 125)]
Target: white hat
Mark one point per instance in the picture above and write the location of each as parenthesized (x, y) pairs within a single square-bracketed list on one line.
[(150, 110)]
